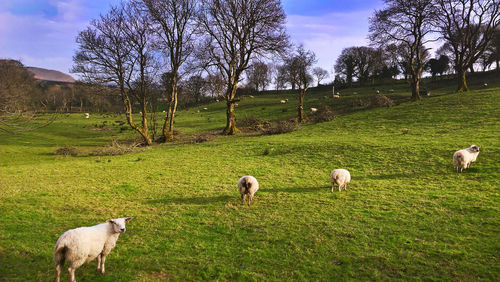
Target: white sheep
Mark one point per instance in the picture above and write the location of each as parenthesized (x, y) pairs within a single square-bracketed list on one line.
[(84, 244), (87, 115), (463, 158), (283, 102), (341, 177), (336, 96), (247, 185), (286, 100), (378, 91), (205, 109)]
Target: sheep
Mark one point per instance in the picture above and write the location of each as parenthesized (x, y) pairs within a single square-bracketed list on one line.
[(485, 84), (83, 244), (247, 185), (283, 102), (355, 93), (205, 109), (286, 100), (340, 177), (87, 115), (463, 158), (336, 96), (391, 90), (251, 96), (378, 92), (313, 110)]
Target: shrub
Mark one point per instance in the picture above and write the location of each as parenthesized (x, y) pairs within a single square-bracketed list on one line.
[(323, 114), (381, 101), (115, 148), (67, 151), (282, 127), (253, 122)]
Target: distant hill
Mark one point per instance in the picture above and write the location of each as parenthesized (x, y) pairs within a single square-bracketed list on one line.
[(51, 75)]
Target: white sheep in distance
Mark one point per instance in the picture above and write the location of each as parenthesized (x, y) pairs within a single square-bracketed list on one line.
[(313, 110), (336, 96), (463, 158), (87, 115), (341, 177), (247, 185), (283, 102), (83, 244)]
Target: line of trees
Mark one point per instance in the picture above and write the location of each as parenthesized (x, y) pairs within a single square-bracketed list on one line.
[(401, 31)]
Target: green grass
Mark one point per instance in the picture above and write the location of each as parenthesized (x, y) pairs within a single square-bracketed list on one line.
[(406, 215)]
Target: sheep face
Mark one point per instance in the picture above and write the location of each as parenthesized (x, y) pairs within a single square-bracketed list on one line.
[(474, 148), (118, 224)]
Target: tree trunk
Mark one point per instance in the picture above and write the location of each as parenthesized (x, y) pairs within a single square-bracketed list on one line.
[(128, 114), (230, 128), (301, 116), (168, 125), (462, 81), (415, 89)]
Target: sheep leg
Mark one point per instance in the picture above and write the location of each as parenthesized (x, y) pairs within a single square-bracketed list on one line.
[(340, 188), (103, 259), (250, 198), (71, 273), (333, 187), (58, 272), (242, 199), (345, 186), (99, 262)]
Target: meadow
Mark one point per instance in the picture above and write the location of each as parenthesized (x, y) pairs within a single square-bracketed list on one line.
[(406, 216)]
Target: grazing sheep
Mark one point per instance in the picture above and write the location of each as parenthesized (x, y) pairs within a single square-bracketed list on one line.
[(205, 109), (463, 158), (378, 92), (286, 100), (485, 84), (251, 96), (341, 177), (355, 93), (83, 244), (247, 185), (336, 96), (313, 110), (283, 102), (391, 90), (87, 115)]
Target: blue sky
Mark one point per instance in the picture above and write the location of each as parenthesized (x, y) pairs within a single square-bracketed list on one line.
[(42, 32)]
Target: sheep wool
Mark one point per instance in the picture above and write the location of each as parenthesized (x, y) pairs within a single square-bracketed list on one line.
[(341, 177), (81, 245), (463, 158), (247, 185)]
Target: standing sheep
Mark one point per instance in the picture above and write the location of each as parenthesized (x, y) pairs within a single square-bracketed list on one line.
[(247, 185), (341, 177), (83, 244), (463, 158)]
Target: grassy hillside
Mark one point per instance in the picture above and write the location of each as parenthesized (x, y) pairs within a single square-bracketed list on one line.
[(406, 214)]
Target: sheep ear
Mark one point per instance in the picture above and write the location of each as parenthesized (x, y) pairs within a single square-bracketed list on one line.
[(128, 218), (111, 221)]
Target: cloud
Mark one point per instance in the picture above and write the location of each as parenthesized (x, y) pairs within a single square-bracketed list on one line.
[(328, 34)]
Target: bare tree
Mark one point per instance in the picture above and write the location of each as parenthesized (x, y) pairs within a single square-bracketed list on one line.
[(468, 26), (301, 62), (258, 75), (111, 50), (281, 77), (238, 31), (406, 23), (176, 26), (320, 74)]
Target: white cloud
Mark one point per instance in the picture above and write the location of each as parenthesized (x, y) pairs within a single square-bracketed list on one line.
[(328, 34)]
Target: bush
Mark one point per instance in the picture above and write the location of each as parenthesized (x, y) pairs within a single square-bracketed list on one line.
[(67, 151), (323, 114), (115, 149), (381, 101), (253, 122), (282, 127)]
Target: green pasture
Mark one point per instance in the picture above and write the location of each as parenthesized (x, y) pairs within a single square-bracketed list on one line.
[(406, 216)]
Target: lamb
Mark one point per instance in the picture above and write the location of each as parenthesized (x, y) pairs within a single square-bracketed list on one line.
[(463, 158), (247, 185), (83, 244), (341, 177)]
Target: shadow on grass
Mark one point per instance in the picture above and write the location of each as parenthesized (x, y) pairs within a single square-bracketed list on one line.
[(296, 189), (192, 200)]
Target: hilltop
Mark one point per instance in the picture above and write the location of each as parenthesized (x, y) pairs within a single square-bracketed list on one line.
[(50, 75)]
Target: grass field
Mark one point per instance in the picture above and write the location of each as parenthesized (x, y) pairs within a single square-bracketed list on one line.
[(406, 214)]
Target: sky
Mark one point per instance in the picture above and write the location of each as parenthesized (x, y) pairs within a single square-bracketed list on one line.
[(42, 33)]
